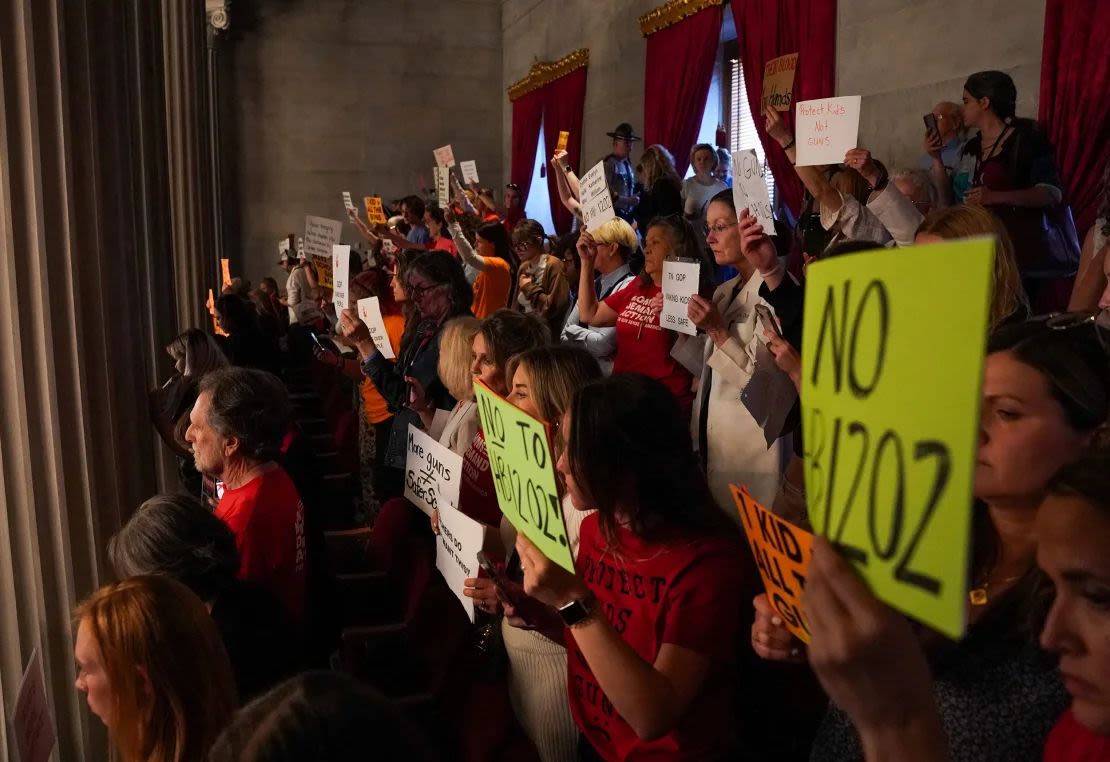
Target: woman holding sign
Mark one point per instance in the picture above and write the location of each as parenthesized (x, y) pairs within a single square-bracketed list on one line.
[(893, 707), (1046, 397), (653, 613), (489, 264), (642, 344), (739, 379), (544, 381), (439, 292)]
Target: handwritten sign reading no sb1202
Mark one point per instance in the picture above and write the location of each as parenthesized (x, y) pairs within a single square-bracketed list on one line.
[(523, 468), (890, 406)]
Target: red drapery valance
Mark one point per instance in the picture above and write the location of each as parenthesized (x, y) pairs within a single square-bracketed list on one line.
[(678, 71), (766, 30), (553, 94)]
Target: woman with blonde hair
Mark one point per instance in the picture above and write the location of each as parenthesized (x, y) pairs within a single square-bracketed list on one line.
[(153, 667), (662, 187), (1009, 303), (543, 383), (455, 354), (617, 249), (703, 185)]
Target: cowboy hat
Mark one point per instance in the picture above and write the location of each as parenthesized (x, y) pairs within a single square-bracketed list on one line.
[(624, 132)]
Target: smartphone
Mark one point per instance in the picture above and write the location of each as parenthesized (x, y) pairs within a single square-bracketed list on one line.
[(931, 124), (768, 319), (496, 577)]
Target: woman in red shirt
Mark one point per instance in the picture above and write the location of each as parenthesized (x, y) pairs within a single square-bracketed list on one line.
[(436, 222), (654, 611), (642, 344)]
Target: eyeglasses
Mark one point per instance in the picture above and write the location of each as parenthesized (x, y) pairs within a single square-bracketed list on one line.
[(417, 292), (719, 228)]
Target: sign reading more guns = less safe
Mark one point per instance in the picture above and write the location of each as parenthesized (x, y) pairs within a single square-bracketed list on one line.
[(523, 467), (890, 408)]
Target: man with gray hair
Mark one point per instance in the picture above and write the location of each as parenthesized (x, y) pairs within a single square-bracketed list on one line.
[(236, 430)]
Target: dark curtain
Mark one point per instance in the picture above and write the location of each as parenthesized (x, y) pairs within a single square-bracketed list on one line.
[(1075, 75), (678, 72), (766, 30), (527, 115), (563, 103)]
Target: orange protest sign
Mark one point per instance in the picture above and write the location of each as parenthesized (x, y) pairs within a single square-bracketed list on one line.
[(778, 82), (212, 311), (225, 265), (375, 213), (782, 552), (562, 144)]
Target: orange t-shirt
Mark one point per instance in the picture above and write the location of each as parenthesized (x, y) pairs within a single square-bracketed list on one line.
[(373, 403), (491, 287)]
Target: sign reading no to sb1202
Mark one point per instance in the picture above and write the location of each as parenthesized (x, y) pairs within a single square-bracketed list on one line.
[(523, 468)]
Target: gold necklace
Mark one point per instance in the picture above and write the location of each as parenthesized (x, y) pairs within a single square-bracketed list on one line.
[(978, 596)]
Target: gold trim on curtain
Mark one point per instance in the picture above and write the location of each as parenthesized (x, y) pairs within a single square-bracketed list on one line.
[(543, 72), (671, 13)]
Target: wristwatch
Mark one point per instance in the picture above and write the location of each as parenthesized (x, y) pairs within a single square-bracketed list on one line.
[(579, 612)]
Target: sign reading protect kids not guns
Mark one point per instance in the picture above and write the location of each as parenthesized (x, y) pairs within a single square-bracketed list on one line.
[(523, 468), (782, 552), (890, 410)]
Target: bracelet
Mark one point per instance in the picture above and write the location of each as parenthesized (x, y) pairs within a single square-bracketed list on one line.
[(788, 145)]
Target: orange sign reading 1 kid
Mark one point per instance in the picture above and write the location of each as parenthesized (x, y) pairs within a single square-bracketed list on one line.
[(782, 552)]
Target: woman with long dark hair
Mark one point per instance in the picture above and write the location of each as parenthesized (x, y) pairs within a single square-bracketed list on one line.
[(654, 610), (489, 264)]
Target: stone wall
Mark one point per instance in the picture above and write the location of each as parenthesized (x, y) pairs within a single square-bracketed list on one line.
[(334, 95)]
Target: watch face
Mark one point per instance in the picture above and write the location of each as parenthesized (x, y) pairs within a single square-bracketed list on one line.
[(574, 612)]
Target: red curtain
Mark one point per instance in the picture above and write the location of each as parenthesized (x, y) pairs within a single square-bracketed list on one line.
[(679, 70), (563, 103), (1075, 76), (527, 115), (766, 30)]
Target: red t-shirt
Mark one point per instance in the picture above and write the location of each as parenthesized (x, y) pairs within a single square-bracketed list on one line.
[(680, 591), (1071, 742), (477, 494), (446, 244), (267, 517), (643, 346)]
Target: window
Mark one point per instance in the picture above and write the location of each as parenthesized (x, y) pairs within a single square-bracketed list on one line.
[(742, 134), (538, 204)]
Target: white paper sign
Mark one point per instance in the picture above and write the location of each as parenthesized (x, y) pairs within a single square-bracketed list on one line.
[(680, 282), (460, 538), (749, 188), (443, 178), (370, 313), (320, 234), (347, 203), (340, 272), (825, 129), (32, 721), (597, 202), (300, 242), (469, 171), (283, 246), (445, 157), (432, 472)]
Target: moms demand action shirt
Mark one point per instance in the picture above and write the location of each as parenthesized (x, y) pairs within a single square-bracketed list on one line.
[(267, 517), (676, 590)]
